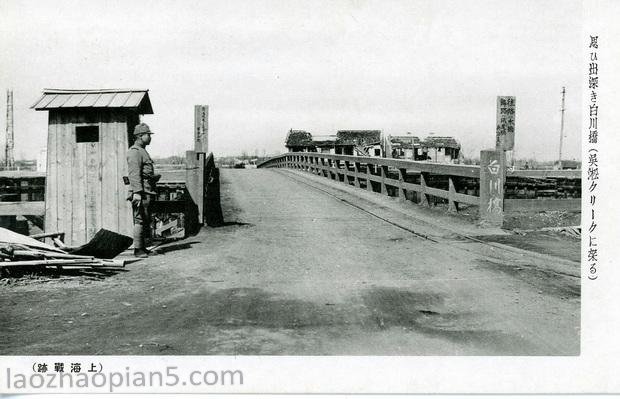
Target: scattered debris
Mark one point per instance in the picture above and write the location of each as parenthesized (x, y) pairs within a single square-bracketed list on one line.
[(27, 254), (105, 244), (573, 231)]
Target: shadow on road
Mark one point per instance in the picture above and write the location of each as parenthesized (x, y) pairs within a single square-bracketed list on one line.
[(235, 223), (174, 247)]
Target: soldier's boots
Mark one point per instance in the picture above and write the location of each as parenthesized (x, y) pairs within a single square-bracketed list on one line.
[(138, 242), (140, 253)]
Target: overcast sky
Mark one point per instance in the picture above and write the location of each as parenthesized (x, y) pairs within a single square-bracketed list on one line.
[(264, 67)]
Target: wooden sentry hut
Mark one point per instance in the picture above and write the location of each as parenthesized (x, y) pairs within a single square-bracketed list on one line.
[(89, 132)]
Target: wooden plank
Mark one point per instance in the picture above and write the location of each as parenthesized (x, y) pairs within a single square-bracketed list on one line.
[(112, 126), (537, 205), (51, 200), (193, 170), (466, 199), (452, 204), (93, 189), (21, 174), (369, 178), (201, 187), (437, 192), (23, 188), (78, 201), (423, 196), (356, 166), (36, 208), (125, 218), (541, 174), (383, 170), (64, 148), (412, 187), (401, 188), (390, 182)]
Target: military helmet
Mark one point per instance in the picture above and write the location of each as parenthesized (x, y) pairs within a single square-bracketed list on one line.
[(141, 128)]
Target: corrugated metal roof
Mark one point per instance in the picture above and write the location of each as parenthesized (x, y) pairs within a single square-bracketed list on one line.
[(99, 98), (74, 100), (89, 100), (104, 100)]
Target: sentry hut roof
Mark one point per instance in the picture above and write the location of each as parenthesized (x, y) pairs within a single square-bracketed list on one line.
[(296, 138), (358, 137), (440, 142), (99, 98)]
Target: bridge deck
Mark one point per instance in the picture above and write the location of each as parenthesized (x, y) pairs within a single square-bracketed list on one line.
[(308, 270)]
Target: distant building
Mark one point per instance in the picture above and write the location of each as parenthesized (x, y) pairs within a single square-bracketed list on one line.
[(404, 147), (442, 149), (325, 144), (370, 143), (374, 150), (299, 141), (345, 142), (352, 142)]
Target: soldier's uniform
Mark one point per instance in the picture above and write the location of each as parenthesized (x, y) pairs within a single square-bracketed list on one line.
[(142, 180)]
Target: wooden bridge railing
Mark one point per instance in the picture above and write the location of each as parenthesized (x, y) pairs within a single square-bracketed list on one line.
[(22, 193), (424, 182)]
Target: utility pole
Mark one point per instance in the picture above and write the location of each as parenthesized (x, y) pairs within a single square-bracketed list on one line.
[(562, 128), (9, 160)]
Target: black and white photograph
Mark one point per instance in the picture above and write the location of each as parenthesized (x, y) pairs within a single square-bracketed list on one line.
[(305, 181)]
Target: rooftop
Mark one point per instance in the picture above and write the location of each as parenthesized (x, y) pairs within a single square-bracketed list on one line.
[(95, 98), (358, 137), (440, 141), (298, 138)]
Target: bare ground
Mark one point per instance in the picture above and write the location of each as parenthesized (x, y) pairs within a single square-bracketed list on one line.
[(306, 270)]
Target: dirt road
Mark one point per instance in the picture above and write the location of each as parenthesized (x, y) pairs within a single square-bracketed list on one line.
[(305, 270)]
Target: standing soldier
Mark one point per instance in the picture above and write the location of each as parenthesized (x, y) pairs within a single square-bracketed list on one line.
[(142, 180)]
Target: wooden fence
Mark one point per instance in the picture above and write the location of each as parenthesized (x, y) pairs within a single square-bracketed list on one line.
[(425, 183), (191, 189), (22, 192)]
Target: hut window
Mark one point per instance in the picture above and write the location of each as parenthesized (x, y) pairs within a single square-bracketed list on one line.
[(86, 134)]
